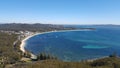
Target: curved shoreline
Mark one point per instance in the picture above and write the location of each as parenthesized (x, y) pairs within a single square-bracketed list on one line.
[(22, 45), (23, 42)]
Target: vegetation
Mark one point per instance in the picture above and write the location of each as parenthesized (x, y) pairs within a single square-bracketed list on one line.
[(43, 56), (110, 62), (33, 27), (8, 54)]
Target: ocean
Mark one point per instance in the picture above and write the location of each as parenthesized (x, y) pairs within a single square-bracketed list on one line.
[(77, 45)]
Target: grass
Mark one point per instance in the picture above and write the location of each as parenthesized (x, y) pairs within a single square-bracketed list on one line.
[(8, 54)]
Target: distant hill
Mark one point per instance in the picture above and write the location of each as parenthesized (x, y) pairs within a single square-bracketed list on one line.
[(32, 27)]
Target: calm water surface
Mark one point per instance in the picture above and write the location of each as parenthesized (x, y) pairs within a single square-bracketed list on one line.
[(77, 45)]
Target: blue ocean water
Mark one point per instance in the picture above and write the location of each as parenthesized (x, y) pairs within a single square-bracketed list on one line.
[(77, 45)]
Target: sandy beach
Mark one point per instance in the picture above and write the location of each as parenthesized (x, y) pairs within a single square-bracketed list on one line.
[(22, 46), (23, 42)]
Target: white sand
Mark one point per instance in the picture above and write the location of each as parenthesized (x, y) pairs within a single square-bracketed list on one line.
[(23, 42), (22, 46)]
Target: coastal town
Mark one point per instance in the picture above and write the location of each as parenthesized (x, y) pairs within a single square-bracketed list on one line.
[(21, 34)]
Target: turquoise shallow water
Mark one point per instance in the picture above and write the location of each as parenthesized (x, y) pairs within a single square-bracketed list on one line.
[(77, 45), (95, 46)]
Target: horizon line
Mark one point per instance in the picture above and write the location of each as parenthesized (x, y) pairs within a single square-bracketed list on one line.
[(53, 23)]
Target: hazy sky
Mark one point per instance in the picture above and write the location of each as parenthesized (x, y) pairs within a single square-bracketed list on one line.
[(60, 11)]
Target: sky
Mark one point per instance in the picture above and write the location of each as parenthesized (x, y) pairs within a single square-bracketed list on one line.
[(60, 11)]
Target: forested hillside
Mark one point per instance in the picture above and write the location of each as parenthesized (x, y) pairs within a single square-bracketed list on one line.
[(32, 27)]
